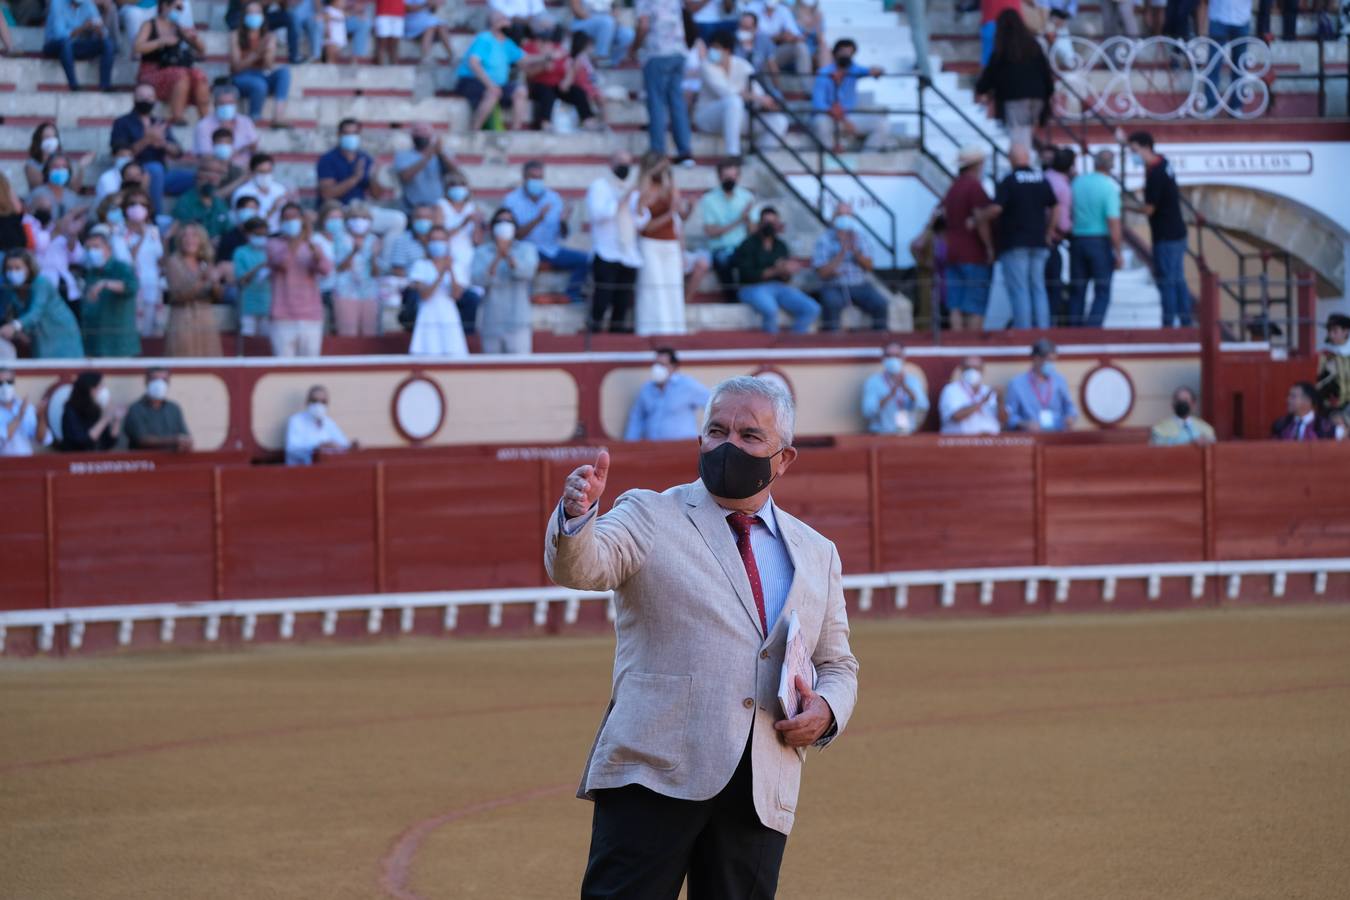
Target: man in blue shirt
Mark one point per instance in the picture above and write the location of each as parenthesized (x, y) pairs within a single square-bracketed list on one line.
[(484, 71), (75, 31), (423, 170), (670, 406), (539, 213), (842, 259), (1038, 400), (893, 400), (344, 172), (834, 97)]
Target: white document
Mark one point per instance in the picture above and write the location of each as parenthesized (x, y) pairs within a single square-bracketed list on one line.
[(796, 661)]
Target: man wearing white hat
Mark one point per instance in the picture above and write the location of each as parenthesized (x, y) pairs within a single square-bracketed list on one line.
[(970, 254)]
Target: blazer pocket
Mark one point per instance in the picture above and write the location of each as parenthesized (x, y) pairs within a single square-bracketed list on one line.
[(647, 725), (790, 778)]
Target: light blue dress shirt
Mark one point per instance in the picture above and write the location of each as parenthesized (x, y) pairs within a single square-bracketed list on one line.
[(64, 16), (546, 235), (668, 413), (1027, 396), (881, 412)]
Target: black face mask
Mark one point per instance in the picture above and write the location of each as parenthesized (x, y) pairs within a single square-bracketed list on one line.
[(767, 231), (420, 143), (732, 474), (143, 107), (206, 190), (843, 62), (621, 171), (728, 185), (43, 216), (1181, 408)]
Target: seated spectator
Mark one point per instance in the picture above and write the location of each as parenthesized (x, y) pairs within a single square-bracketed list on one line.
[(523, 16), (1305, 421), (205, 205), (110, 182), (253, 278), (579, 86), (296, 264), (43, 318), (1333, 365), (232, 176), (754, 46), (253, 66), (595, 19), (137, 242), (108, 304), (356, 302), (1026, 209), (272, 196), (505, 267), (407, 248), (152, 145), (726, 213), (843, 261), (55, 194), (777, 22), (1039, 399), (765, 270), (171, 51), (313, 429), (438, 330), (485, 71), (968, 405), (1018, 79), (89, 421), (894, 400), (711, 16), (225, 116), (811, 23), (538, 211), (1095, 247), (554, 79), (245, 209), (74, 30), (420, 22), (21, 423), (669, 406), (1183, 427), (46, 143), (726, 93), (612, 209), (344, 172), (834, 101), (659, 294), (154, 422), (192, 285), (424, 169)]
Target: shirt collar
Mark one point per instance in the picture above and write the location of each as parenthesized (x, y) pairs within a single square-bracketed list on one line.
[(766, 515)]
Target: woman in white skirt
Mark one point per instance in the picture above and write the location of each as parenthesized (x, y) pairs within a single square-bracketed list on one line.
[(660, 281), (438, 330)]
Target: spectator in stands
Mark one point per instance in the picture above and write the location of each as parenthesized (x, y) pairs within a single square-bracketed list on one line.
[(505, 267), (834, 102), (1167, 228), (727, 93), (271, 194), (137, 242), (754, 46), (245, 209), (1026, 209), (154, 422), (22, 424), (579, 86), (1118, 17), (6, 36), (1057, 163), (344, 172), (811, 23), (123, 165), (612, 208), (1095, 248), (307, 21), (89, 420), (233, 175), (930, 252), (409, 246), (465, 225), (253, 66), (544, 81), (334, 31), (204, 204), (669, 406), (842, 259), (969, 247), (968, 405), (538, 211), (1018, 79), (13, 233), (424, 169), (421, 23), (108, 302), (660, 41), (296, 265), (46, 143), (776, 21), (226, 116), (253, 277), (1039, 399), (152, 145), (595, 18), (1288, 20), (726, 212), (711, 16), (659, 307), (170, 50), (484, 73), (438, 330), (990, 10), (356, 301), (523, 16), (1183, 427), (1229, 21), (894, 400), (74, 30), (388, 30), (43, 318), (1305, 421), (313, 429), (55, 194), (766, 268), (1333, 366), (192, 285)]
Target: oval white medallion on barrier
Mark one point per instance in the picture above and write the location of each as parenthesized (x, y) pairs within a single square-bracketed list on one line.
[(1108, 395), (419, 408)]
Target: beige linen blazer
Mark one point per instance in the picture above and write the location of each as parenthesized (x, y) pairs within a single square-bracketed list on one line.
[(694, 676)]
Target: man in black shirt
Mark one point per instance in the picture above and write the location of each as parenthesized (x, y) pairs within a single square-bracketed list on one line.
[(1026, 209), (1162, 205)]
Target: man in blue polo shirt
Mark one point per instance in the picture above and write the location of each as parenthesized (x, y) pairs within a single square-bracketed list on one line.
[(74, 30), (669, 407), (834, 99), (1038, 399), (344, 175), (538, 211), (1094, 247)]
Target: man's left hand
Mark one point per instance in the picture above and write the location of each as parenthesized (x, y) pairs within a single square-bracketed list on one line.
[(807, 727)]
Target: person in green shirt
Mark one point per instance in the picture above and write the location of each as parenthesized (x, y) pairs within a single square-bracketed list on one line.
[(204, 205), (766, 268), (44, 317), (108, 319), (254, 279)]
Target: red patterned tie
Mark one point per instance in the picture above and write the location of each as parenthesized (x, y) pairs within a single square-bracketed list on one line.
[(740, 523)]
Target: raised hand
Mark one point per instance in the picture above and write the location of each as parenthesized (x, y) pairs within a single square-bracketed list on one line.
[(584, 486)]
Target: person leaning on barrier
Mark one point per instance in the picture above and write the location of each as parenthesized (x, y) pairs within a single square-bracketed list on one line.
[(1183, 426), (1039, 399), (893, 400), (313, 429), (22, 425), (969, 406), (669, 406), (154, 422)]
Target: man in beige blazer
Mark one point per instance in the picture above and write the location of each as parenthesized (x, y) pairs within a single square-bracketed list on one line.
[(695, 771)]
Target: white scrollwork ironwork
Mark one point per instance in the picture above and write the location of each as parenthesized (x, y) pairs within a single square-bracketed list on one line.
[(1162, 77)]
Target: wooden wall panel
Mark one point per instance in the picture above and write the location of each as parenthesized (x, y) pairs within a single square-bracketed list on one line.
[(1276, 499), (829, 491), (1122, 504), (23, 542)]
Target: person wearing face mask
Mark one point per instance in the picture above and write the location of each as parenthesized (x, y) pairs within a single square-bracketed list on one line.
[(967, 405), (344, 172), (791, 51), (356, 307), (271, 194), (296, 263), (192, 285), (695, 772), (233, 176), (1026, 211), (43, 319), (484, 73), (331, 237), (754, 46), (842, 259), (894, 400), (424, 169), (45, 144), (726, 212), (765, 269), (22, 425), (74, 30), (204, 205), (226, 115), (612, 208), (152, 145), (1183, 426), (137, 242), (252, 278), (409, 246), (244, 211), (726, 92), (108, 307), (313, 429), (110, 181), (1333, 366), (55, 194), (170, 50), (154, 422), (465, 225), (834, 101), (505, 267), (13, 232), (540, 212), (1167, 229), (89, 421), (811, 23), (253, 59), (669, 405), (1039, 399), (438, 330)]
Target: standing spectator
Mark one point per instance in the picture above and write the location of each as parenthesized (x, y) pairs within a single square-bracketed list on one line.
[(661, 42), (170, 50), (464, 223), (226, 116), (538, 210), (811, 23), (1183, 427), (579, 86), (843, 260), (45, 144), (669, 406), (834, 103), (776, 20), (1118, 17), (916, 11), (137, 243), (968, 405), (154, 422), (660, 283), (356, 302), (1039, 399), (249, 261), (1026, 210), (505, 267), (253, 66), (21, 424), (438, 330), (1018, 78), (421, 23), (108, 307), (1167, 228), (766, 269), (712, 16), (1229, 22), (296, 265), (74, 30), (1058, 168), (271, 194), (726, 212), (930, 254), (89, 420), (193, 284), (424, 169), (313, 429), (1094, 249), (1304, 422), (203, 205), (484, 73), (388, 30), (969, 250), (409, 246), (245, 209), (990, 10), (725, 94), (894, 400), (595, 18), (1288, 19), (152, 145), (43, 318), (1333, 366), (612, 207)]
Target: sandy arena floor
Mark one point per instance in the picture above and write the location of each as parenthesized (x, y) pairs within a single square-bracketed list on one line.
[(1201, 755)]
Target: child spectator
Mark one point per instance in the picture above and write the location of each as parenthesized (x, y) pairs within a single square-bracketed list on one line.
[(254, 279)]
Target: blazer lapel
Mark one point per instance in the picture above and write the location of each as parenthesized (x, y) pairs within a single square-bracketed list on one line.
[(711, 522), (787, 527)]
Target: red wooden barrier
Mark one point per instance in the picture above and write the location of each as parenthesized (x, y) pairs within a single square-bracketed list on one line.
[(1274, 500)]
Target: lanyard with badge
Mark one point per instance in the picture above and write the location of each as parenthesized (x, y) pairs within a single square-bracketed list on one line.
[(1046, 417)]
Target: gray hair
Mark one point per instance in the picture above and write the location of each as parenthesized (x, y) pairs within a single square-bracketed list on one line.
[(785, 415)]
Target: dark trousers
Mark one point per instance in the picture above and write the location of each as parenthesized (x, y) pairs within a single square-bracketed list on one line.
[(643, 844), (834, 297), (543, 96), (70, 49), (1090, 261), (1055, 288), (613, 294), (1288, 18)]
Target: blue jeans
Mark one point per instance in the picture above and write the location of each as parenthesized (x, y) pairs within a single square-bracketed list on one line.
[(1024, 274), (661, 76), (706, 30), (576, 264), (1169, 268), (468, 304), (834, 297), (255, 86), (1214, 72), (70, 49), (1090, 260), (358, 35), (305, 20), (612, 40), (767, 296), (172, 182), (968, 288)]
